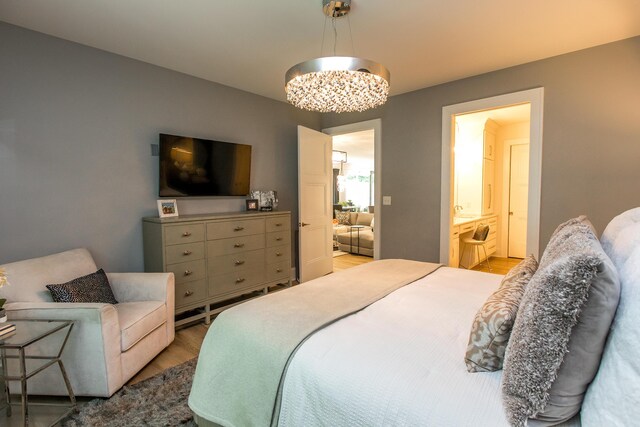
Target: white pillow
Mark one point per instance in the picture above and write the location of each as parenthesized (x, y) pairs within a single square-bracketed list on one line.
[(612, 397), (618, 240)]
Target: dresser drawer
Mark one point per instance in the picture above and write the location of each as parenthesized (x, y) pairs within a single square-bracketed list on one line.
[(278, 270), (278, 223), (235, 245), (227, 283), (184, 252), (491, 246), (226, 229), (465, 228), (455, 232), (237, 262), (278, 238), (187, 271), (187, 233), (190, 292), (278, 253)]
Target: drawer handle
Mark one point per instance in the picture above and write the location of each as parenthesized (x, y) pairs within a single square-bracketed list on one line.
[(278, 239), (188, 293), (279, 224), (187, 253), (278, 270), (186, 234), (240, 279), (239, 245), (239, 262), (188, 272), (238, 228), (278, 253)]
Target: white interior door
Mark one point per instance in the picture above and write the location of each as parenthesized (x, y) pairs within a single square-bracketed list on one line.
[(518, 200), (315, 174)]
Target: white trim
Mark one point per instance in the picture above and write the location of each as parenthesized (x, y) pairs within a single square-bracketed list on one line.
[(536, 98), (376, 125)]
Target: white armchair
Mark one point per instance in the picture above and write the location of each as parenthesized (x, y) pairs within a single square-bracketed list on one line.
[(108, 344)]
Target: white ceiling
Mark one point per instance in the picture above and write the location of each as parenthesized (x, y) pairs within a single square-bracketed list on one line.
[(250, 44), (359, 147)]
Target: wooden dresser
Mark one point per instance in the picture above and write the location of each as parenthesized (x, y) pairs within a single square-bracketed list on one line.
[(217, 257)]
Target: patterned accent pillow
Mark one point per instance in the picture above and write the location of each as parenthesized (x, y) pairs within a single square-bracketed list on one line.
[(343, 217), (93, 287), (492, 325)]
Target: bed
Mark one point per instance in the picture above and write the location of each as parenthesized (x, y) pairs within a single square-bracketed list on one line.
[(392, 360)]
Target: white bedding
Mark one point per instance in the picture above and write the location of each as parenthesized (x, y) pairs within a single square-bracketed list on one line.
[(398, 362)]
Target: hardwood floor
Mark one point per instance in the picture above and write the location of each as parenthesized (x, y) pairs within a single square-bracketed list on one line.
[(498, 265), (349, 260)]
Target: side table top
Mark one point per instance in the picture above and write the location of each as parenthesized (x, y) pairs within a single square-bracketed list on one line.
[(29, 331)]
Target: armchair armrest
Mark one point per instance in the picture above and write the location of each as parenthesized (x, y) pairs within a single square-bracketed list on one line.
[(129, 287), (94, 346)]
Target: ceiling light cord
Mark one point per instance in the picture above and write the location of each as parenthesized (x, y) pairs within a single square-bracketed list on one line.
[(335, 35), (324, 30), (353, 48)]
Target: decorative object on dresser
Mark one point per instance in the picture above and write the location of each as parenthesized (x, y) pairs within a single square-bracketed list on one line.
[(252, 204), (218, 257), (167, 208), (267, 200)]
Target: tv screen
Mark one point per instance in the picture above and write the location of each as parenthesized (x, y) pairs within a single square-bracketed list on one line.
[(201, 167)]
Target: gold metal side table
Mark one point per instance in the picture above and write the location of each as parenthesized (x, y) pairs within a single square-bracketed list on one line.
[(16, 346)]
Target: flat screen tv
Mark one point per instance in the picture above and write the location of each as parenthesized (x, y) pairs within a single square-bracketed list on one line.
[(191, 167)]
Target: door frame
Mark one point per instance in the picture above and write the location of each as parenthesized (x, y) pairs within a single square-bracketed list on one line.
[(506, 195), (536, 98), (376, 125)]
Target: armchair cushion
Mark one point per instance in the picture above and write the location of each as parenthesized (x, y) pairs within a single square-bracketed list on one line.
[(93, 287), (139, 319)]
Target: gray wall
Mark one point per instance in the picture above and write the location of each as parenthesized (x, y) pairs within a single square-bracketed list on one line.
[(76, 126), (591, 143)]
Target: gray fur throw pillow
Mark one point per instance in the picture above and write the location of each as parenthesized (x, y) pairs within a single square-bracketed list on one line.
[(561, 328), (492, 325)]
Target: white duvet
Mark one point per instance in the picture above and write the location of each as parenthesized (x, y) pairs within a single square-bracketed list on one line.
[(398, 362)]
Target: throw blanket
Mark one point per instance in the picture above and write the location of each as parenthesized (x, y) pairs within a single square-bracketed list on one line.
[(244, 355)]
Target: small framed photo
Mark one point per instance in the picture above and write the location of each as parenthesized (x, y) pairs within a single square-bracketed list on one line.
[(167, 208), (252, 204)]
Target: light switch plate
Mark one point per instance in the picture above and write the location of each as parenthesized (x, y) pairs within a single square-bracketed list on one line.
[(386, 200)]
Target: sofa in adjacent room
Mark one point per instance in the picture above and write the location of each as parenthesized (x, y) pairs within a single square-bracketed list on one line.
[(354, 241)]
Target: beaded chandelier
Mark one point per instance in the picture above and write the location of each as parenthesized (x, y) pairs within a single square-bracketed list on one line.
[(337, 83)]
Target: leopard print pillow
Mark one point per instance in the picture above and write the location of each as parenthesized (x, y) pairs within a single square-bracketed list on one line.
[(343, 217), (93, 287), (492, 325)]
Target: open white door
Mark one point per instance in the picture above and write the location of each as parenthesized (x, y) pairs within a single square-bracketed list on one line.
[(314, 204)]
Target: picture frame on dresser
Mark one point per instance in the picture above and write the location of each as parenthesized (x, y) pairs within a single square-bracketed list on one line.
[(252, 204), (167, 208)]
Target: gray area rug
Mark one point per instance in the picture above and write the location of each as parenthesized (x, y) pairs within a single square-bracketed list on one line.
[(158, 401)]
